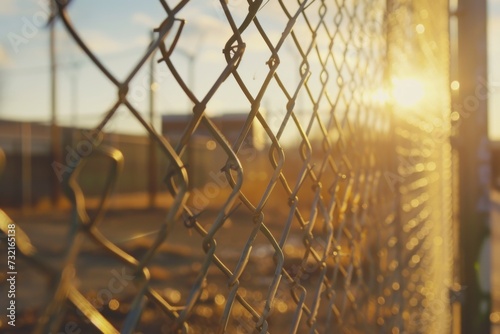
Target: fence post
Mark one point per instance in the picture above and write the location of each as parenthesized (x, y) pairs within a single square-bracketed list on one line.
[(473, 149)]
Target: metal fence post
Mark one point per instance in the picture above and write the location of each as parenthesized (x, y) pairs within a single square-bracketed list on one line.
[(473, 158)]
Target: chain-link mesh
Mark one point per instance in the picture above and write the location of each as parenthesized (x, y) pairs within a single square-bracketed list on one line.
[(418, 47), (336, 219)]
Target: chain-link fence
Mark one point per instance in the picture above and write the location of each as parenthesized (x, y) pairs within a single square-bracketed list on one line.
[(326, 208)]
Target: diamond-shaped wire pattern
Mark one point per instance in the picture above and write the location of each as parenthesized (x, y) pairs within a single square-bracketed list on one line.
[(332, 209)]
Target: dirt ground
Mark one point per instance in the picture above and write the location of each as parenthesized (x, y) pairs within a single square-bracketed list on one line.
[(173, 269)]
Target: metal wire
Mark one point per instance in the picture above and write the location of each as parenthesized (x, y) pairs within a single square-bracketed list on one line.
[(355, 207)]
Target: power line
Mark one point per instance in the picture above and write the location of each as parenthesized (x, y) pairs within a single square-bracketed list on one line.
[(63, 65)]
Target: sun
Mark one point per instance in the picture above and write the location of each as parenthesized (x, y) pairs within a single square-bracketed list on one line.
[(408, 92)]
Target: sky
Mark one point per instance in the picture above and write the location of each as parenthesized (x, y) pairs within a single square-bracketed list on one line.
[(83, 92), (119, 38)]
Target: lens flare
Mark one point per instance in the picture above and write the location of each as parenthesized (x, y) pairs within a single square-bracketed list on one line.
[(408, 92)]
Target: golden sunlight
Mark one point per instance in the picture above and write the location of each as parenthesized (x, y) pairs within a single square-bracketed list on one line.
[(407, 92)]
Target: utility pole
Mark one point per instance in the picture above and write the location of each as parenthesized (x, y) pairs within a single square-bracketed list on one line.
[(75, 67), (152, 175), (26, 165), (54, 130), (474, 162), (191, 58)]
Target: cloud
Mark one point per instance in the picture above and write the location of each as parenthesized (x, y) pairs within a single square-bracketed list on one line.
[(142, 41), (98, 42), (198, 22), (202, 31), (103, 44), (144, 20)]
